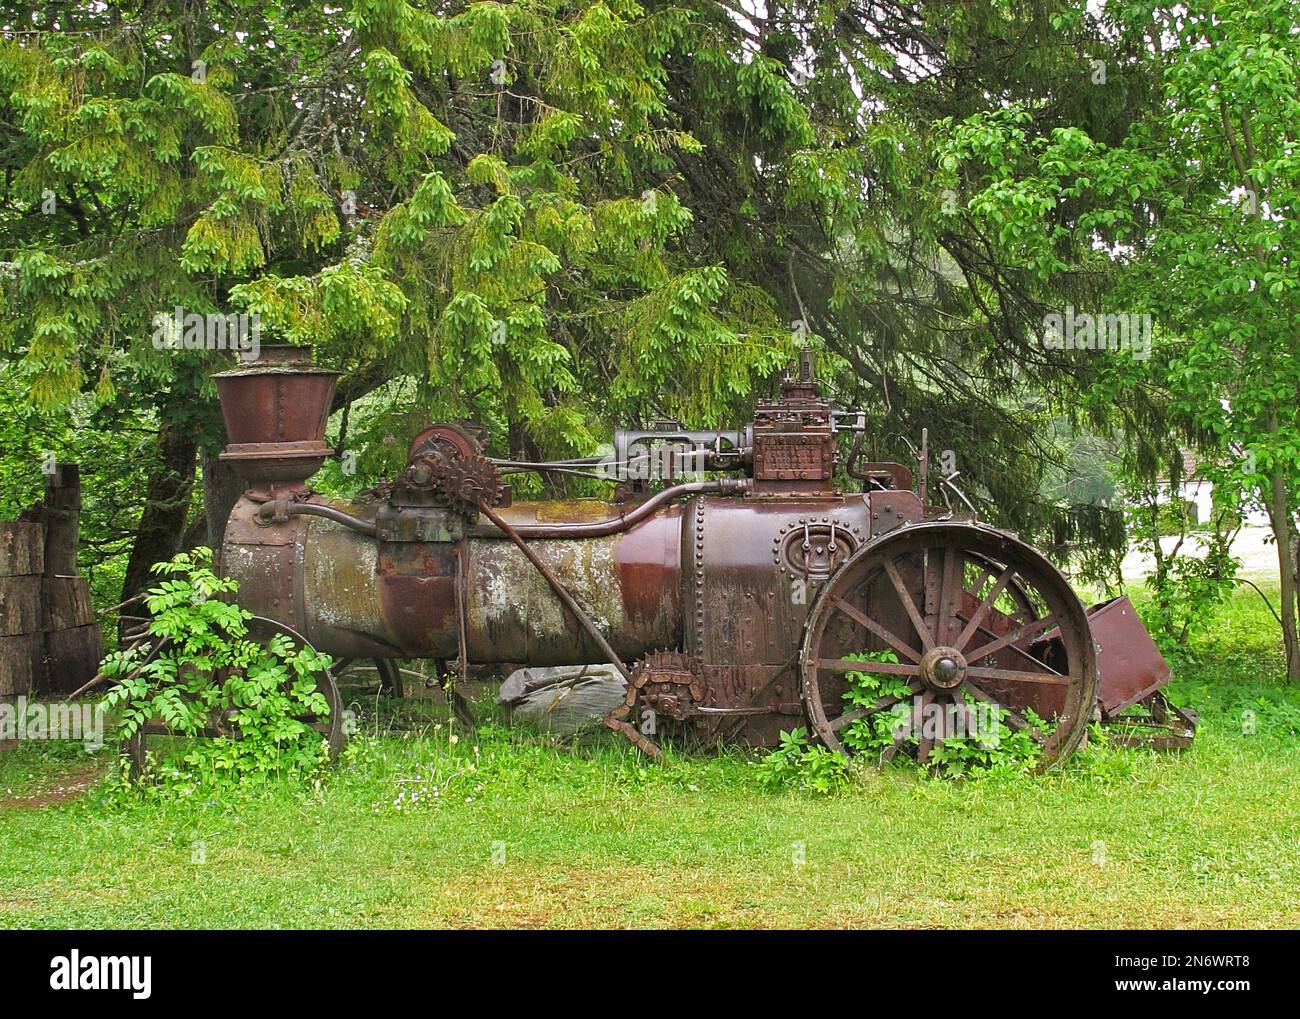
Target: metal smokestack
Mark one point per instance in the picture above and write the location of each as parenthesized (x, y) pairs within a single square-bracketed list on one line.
[(275, 409)]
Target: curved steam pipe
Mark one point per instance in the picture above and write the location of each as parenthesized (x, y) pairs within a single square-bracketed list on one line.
[(601, 528), (314, 509), (598, 529)]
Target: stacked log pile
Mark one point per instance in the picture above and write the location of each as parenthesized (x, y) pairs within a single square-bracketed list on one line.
[(49, 640)]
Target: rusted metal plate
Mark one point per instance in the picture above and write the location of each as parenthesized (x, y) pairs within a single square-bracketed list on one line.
[(748, 600), (523, 514), (892, 509), (263, 559), (1131, 665), (648, 558), (772, 690), (343, 591), (514, 615), (792, 457), (418, 592)]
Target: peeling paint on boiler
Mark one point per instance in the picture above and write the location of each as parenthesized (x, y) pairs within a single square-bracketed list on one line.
[(339, 578)]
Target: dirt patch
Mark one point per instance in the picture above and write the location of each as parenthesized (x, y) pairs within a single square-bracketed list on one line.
[(69, 785)]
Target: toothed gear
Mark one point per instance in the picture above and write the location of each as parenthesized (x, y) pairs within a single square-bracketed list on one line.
[(468, 481), (665, 682)]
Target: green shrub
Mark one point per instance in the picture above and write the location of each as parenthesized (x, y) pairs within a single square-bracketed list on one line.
[(197, 663), (994, 750), (797, 762)]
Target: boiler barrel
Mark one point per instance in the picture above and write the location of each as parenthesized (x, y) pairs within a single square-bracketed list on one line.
[(352, 595)]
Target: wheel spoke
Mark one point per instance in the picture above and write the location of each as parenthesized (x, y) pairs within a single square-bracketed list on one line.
[(1050, 678), (1021, 652), (960, 700), (853, 665), (1015, 637), (873, 627), (922, 631), (925, 743), (880, 705), (949, 585), (1012, 717), (985, 605)]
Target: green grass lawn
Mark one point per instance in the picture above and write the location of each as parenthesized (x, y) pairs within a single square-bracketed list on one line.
[(526, 834)]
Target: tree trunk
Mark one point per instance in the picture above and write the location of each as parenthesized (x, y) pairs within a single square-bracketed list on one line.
[(196, 533), (1280, 516), (167, 504), (1295, 562)]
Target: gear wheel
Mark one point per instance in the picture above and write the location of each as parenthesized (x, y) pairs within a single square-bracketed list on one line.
[(460, 482), (664, 684), (467, 481)]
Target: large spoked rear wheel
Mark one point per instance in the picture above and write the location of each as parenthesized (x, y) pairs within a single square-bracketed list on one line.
[(975, 619)]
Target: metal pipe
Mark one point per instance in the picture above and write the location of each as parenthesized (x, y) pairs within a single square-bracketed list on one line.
[(601, 528), (313, 509), (581, 461)]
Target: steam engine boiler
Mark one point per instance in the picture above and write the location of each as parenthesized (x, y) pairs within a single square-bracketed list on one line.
[(733, 603)]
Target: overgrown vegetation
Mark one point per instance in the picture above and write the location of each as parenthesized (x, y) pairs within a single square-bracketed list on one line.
[(526, 833), (981, 744), (196, 669)]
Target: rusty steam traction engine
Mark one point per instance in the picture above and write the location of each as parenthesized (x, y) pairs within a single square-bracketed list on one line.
[(736, 600)]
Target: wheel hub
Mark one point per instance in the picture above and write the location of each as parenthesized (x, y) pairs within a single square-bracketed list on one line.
[(943, 668)]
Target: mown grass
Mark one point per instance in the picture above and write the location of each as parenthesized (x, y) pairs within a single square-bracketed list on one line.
[(528, 834)]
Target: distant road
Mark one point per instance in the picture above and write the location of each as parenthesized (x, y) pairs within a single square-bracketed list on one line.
[(1258, 560)]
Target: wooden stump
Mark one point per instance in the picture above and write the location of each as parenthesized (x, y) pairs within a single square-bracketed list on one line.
[(66, 602), (22, 549), (20, 605), (49, 640), (61, 515), (72, 658), (22, 664)]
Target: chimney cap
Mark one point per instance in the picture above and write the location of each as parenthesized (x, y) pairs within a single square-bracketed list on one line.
[(278, 359)]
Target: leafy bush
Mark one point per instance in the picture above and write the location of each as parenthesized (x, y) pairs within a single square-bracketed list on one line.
[(993, 749), (803, 765), (1193, 577), (196, 664)]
